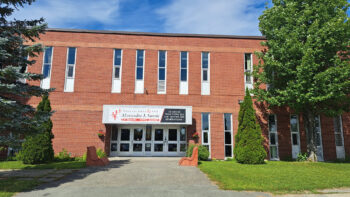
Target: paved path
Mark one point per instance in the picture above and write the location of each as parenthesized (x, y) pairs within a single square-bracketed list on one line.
[(136, 177)]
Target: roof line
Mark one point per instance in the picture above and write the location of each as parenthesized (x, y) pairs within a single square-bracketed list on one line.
[(155, 34)]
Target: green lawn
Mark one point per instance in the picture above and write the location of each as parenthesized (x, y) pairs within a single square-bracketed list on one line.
[(8, 187), (53, 165), (277, 176)]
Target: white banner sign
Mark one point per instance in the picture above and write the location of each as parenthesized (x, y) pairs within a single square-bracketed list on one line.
[(143, 114)]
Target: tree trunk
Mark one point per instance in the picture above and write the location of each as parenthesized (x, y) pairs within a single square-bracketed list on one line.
[(309, 125)]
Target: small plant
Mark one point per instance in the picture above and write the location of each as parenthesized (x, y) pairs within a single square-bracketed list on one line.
[(100, 133), (203, 153), (229, 159), (100, 153), (64, 155), (195, 135), (302, 157)]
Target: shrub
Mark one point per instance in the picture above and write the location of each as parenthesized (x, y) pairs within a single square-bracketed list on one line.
[(248, 141), (302, 157), (100, 153), (64, 156), (203, 153)]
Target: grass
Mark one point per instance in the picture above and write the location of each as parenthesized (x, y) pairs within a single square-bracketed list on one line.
[(8, 187), (277, 176), (53, 165)]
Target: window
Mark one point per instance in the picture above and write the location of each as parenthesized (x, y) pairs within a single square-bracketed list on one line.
[(273, 137), (183, 72), (248, 78), (294, 128), (161, 72), (70, 69), (205, 73), (140, 61), (339, 138), (117, 69), (228, 134), (206, 130), (46, 70)]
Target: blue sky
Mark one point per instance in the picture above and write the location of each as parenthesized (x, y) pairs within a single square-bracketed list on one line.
[(236, 17)]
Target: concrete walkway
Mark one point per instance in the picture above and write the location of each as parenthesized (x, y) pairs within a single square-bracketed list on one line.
[(136, 177)]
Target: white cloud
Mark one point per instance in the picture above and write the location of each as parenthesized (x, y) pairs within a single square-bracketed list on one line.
[(71, 13), (238, 17)]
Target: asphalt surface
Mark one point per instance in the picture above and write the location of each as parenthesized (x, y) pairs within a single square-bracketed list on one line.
[(136, 177)]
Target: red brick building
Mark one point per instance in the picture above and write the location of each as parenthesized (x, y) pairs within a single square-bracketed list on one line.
[(148, 93)]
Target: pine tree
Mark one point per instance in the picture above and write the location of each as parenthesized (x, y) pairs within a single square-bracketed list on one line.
[(16, 116), (248, 141)]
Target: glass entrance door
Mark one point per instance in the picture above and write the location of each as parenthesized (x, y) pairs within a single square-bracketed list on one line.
[(158, 141), (173, 141), (124, 142), (138, 142)]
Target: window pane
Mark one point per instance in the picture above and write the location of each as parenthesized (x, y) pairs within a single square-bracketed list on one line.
[(48, 54), (137, 147), (139, 73), (205, 137), (337, 124), (158, 147), (71, 55), (158, 135), (273, 138), (114, 133), (116, 72), (125, 135), (114, 147), (148, 133), (183, 74), (148, 147), (183, 134), (338, 140), (273, 152), (205, 75), (172, 134), (294, 123), (162, 74), (117, 57), (228, 151), (70, 71), (140, 58), (227, 120), (205, 60), (172, 147), (295, 139), (248, 78), (46, 71), (272, 123), (205, 121), (183, 59), (124, 147), (228, 137), (138, 134), (162, 59), (247, 63)]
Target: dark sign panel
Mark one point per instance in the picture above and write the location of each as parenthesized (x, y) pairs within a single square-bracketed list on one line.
[(174, 115)]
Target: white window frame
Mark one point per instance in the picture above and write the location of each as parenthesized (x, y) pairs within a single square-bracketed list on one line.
[(297, 132), (165, 74), (206, 131), (67, 78), (276, 134), (117, 81), (47, 79), (320, 147), (340, 150), (249, 86), (183, 87), (140, 82), (231, 132), (205, 90)]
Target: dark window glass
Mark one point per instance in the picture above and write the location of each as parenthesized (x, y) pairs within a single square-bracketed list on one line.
[(124, 147), (116, 72), (227, 122), (172, 134), (114, 147), (183, 134), (46, 71), (272, 123), (117, 57), (70, 71), (48, 55), (125, 135), (294, 123), (205, 137), (205, 75), (247, 62), (148, 147), (205, 59), (172, 147), (71, 55), (161, 74), (158, 135), (158, 147), (114, 133), (337, 124), (228, 151), (162, 59), (183, 74), (139, 73), (272, 138), (140, 58), (183, 59), (273, 152), (338, 140), (138, 134), (295, 139), (205, 121), (148, 133), (137, 147), (228, 137)]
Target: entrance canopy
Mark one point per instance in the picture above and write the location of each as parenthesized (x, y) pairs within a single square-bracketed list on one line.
[(147, 114)]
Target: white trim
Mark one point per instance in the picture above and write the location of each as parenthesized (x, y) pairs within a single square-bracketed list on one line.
[(165, 70), (291, 136), (340, 150), (47, 79), (140, 81), (249, 86), (320, 148), (205, 90), (184, 91), (276, 132), (206, 131), (65, 89), (117, 80), (231, 131)]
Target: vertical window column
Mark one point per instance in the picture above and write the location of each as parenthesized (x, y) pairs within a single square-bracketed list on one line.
[(184, 72), (70, 70), (161, 72), (248, 67), (206, 131), (140, 61), (205, 73), (228, 135), (117, 71), (339, 138), (273, 137), (294, 128), (319, 138), (46, 70)]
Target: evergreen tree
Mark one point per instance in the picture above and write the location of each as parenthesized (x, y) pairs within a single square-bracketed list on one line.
[(306, 63), (16, 116), (248, 141)]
